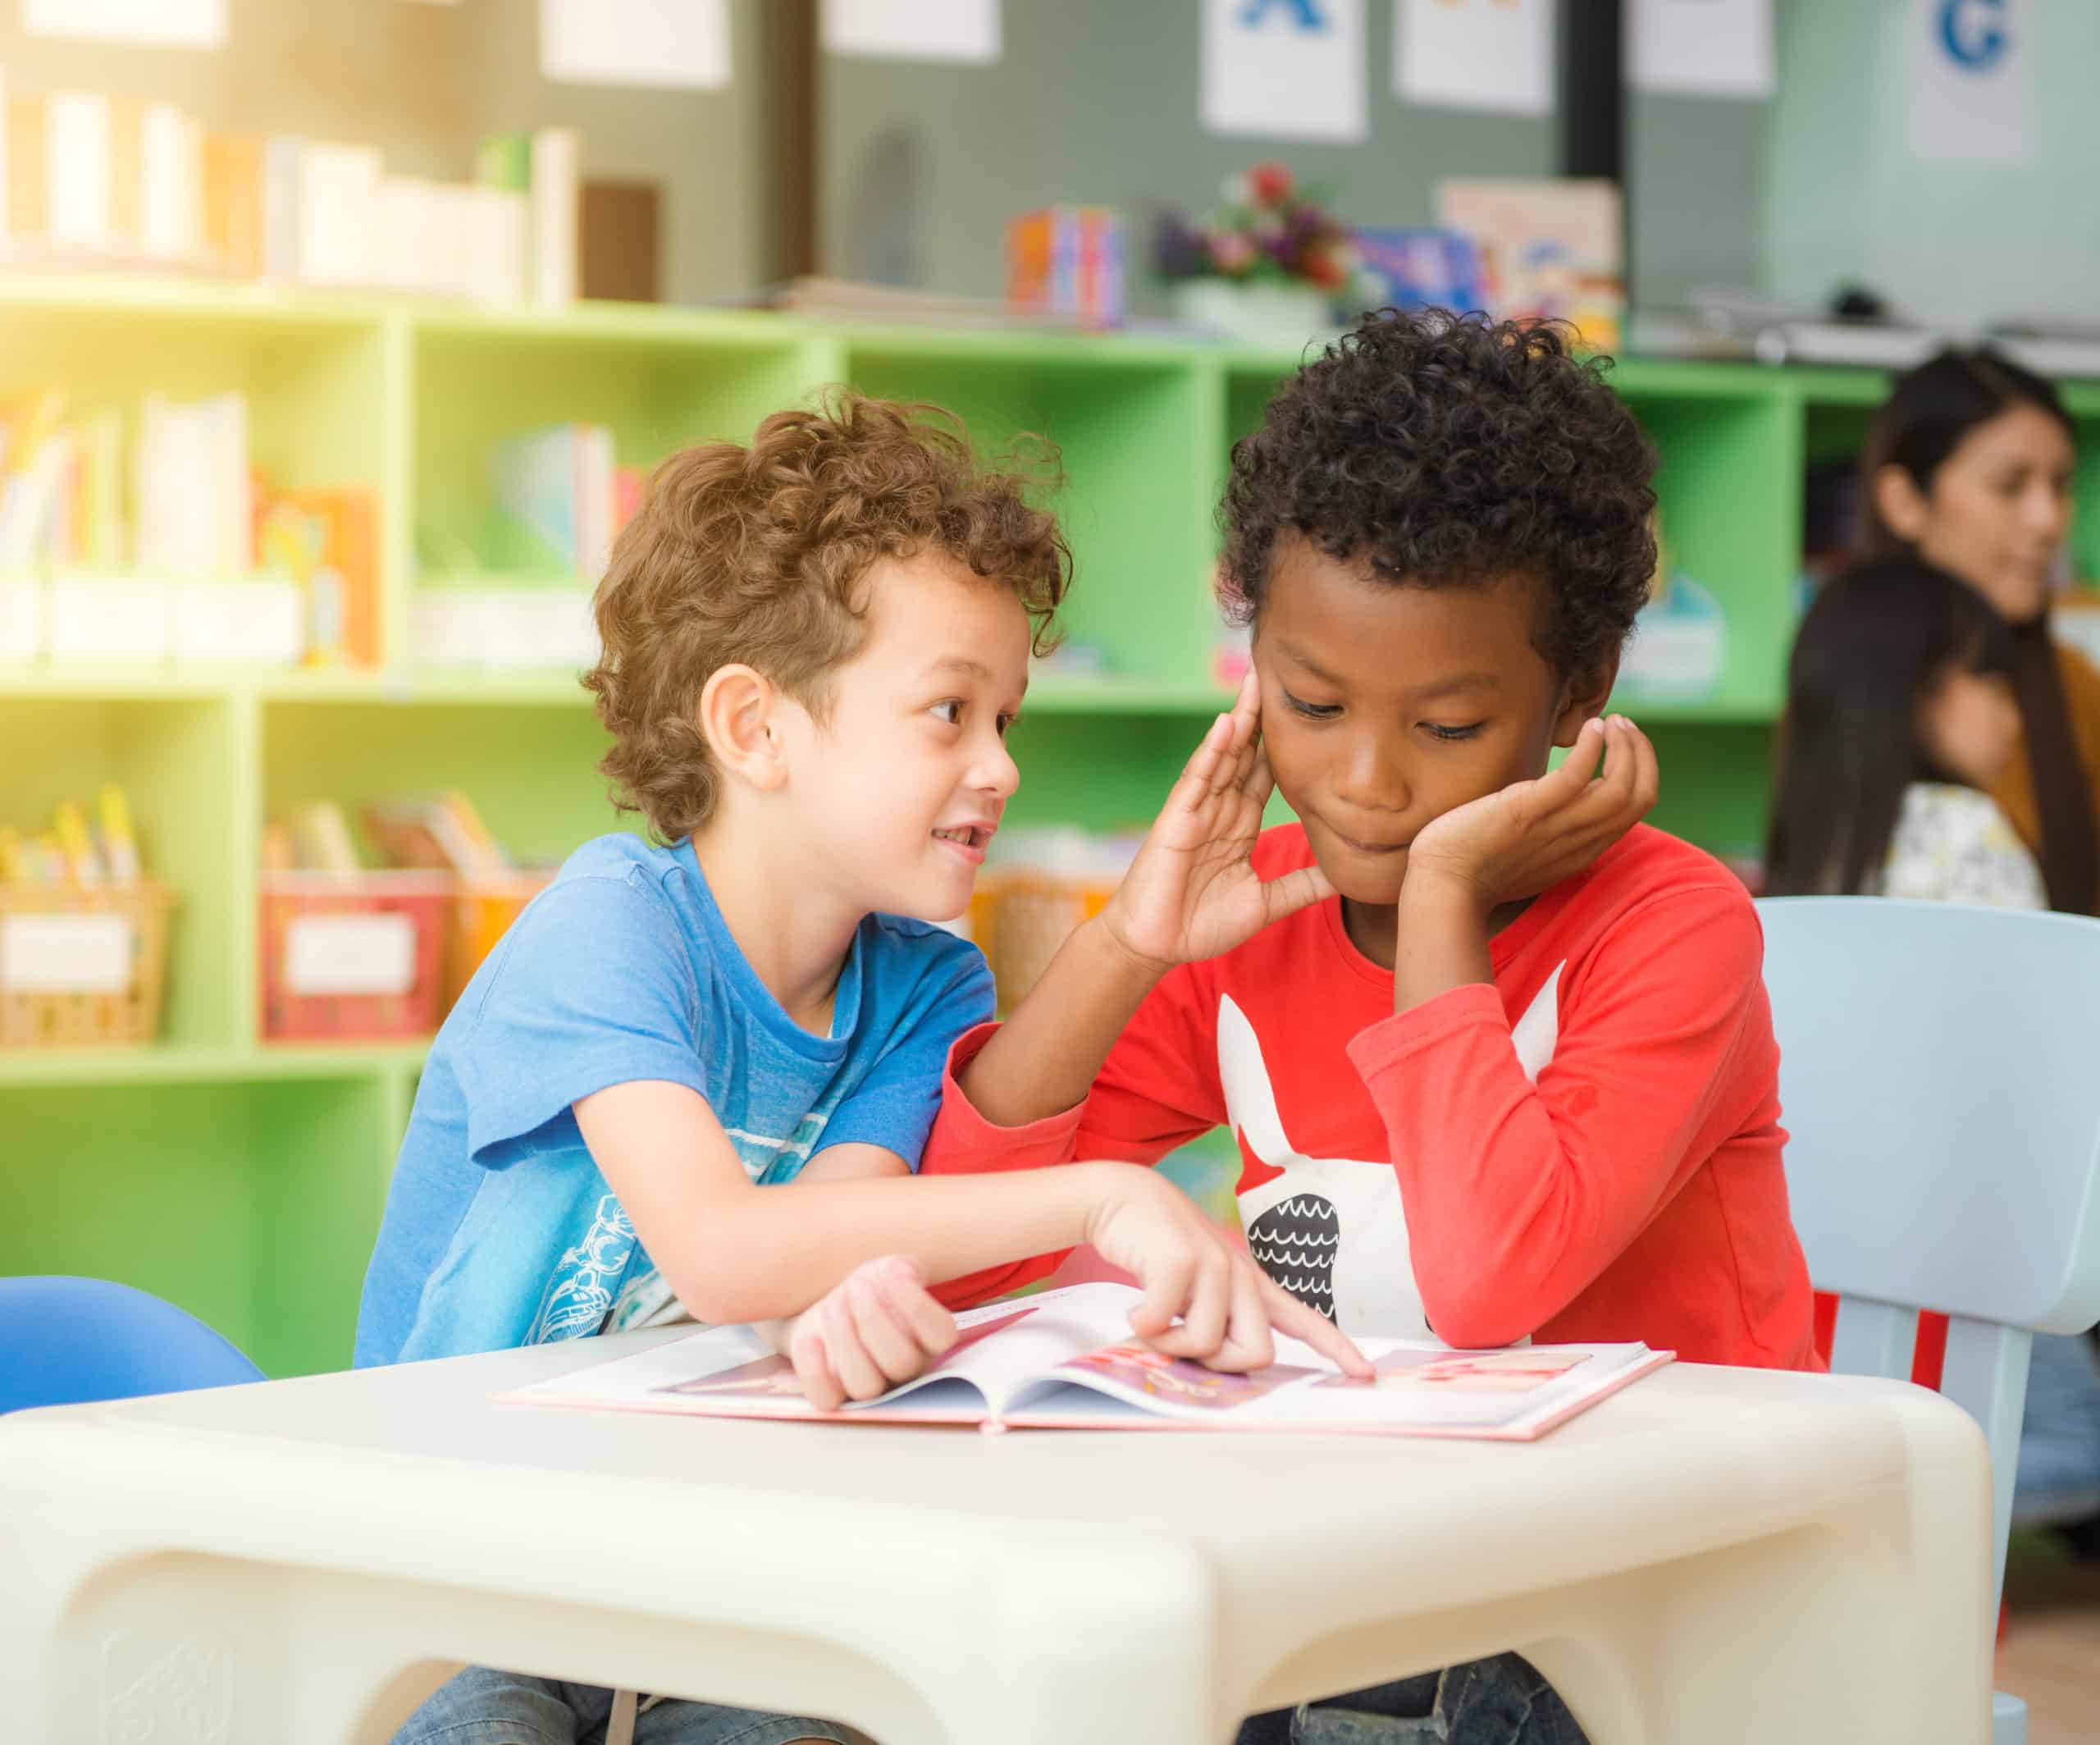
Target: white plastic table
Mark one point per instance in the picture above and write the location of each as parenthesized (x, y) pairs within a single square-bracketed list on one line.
[(1715, 1555)]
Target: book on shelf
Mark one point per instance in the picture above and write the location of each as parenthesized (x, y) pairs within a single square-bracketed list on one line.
[(561, 489), (1065, 1360), (441, 833), (539, 174), (324, 541), (93, 178)]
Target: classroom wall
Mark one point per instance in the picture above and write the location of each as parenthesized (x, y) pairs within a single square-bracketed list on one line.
[(1842, 197), (425, 83), (1816, 188), (1096, 102)]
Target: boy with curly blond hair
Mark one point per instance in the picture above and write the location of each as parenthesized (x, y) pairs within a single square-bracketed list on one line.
[(695, 1076)]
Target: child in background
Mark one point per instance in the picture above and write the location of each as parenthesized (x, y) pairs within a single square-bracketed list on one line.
[(1499, 1059), (694, 1079), (1901, 719), (1901, 722)]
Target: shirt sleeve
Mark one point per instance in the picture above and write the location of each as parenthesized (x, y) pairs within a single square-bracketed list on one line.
[(1518, 1196), (595, 989), (1158, 1089), (893, 1106)]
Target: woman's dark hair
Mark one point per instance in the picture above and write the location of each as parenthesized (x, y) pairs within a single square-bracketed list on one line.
[(1869, 650), (1925, 418)]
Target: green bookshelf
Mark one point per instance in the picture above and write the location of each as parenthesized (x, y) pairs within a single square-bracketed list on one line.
[(244, 1181)]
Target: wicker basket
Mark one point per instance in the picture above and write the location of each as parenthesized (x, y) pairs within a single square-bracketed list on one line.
[(1020, 918), (78, 968)]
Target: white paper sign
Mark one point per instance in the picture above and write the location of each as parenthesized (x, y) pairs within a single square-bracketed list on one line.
[(65, 953), (1475, 54), (159, 23), (338, 954), (914, 30), (674, 44), (1285, 69), (1971, 71), (1709, 47)]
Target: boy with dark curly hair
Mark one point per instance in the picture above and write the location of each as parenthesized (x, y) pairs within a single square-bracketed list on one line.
[(695, 1077), (1498, 1057)]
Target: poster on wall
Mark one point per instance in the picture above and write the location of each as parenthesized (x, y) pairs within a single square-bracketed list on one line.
[(1700, 48), (152, 24), (1970, 69), (679, 45), (1475, 54), (1285, 69), (965, 31)]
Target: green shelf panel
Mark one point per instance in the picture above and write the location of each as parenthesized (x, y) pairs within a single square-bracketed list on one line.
[(532, 771), (253, 1205), (1131, 438), (171, 1063), (658, 387)]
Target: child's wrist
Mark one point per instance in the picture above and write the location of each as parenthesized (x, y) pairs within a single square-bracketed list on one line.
[(1113, 956), (1442, 894)]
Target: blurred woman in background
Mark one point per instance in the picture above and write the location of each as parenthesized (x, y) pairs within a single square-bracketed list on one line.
[(1968, 467)]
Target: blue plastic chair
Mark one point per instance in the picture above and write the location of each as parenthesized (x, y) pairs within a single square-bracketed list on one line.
[(1937, 1078), (66, 1340)]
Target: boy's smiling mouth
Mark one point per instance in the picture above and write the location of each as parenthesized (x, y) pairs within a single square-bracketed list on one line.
[(968, 840)]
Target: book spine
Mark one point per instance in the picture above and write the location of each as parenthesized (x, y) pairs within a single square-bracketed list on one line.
[(556, 190)]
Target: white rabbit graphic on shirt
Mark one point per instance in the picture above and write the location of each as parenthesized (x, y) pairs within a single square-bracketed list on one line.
[(1331, 1230)]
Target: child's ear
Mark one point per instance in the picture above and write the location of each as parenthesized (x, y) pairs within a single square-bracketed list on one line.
[(1583, 698), (1902, 507), (737, 709)]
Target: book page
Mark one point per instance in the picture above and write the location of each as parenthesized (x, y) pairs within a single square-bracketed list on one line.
[(1418, 1386), (1036, 1335)]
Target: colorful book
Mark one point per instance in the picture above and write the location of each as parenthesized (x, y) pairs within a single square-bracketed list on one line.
[(1065, 1360), (327, 543)]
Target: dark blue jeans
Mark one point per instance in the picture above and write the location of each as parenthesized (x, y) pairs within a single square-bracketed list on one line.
[(1498, 1701)]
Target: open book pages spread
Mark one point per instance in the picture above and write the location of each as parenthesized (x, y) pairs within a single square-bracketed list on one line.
[(1066, 1360)]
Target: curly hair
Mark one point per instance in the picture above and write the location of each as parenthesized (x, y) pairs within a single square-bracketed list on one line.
[(1448, 450), (757, 554)]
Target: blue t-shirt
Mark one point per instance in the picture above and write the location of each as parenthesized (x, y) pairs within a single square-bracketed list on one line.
[(499, 1231)]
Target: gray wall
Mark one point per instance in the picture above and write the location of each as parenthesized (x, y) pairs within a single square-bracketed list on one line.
[(1095, 101), (425, 83), (1816, 188)]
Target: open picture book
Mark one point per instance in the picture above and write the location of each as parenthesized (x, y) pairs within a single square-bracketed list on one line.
[(1066, 1360)]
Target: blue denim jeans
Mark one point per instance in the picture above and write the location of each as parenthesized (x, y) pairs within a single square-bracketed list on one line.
[(483, 1707), (1498, 1701)]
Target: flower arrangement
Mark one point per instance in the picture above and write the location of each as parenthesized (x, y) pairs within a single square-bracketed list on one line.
[(1268, 231)]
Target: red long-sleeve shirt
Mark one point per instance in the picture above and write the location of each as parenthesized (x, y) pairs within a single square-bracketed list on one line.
[(1587, 1150)]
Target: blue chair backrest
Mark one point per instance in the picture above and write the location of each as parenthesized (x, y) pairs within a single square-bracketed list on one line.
[(66, 1340), (1940, 1085)]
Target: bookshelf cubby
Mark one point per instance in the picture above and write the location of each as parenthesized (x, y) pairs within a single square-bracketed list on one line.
[(245, 1181)]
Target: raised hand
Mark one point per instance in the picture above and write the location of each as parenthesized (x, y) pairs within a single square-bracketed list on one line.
[(1192, 893), (1515, 842)]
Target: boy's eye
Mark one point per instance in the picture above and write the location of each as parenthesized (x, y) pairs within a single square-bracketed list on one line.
[(1437, 730), (1312, 711), (1006, 724), (950, 711)]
